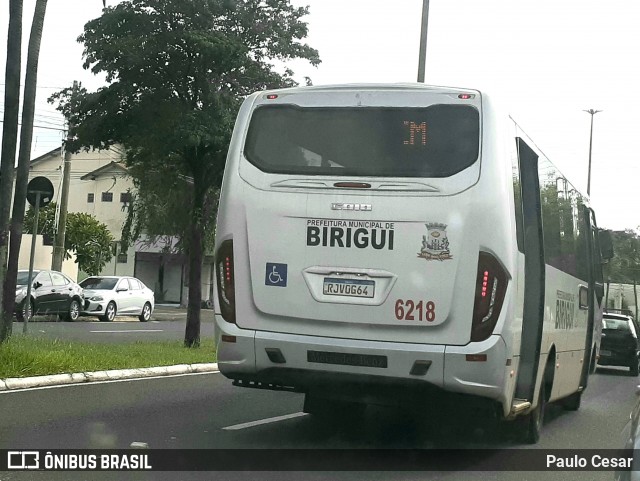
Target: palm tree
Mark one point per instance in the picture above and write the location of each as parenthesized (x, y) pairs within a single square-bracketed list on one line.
[(24, 157), (9, 139)]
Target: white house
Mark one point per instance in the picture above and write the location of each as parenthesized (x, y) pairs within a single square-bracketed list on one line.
[(100, 185)]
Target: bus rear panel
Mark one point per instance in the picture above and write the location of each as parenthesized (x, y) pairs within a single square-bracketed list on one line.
[(367, 240)]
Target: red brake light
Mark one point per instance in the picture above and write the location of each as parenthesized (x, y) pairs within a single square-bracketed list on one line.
[(491, 286), (226, 284), (272, 96)]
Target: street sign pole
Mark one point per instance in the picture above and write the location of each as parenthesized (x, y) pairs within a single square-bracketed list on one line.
[(34, 235)]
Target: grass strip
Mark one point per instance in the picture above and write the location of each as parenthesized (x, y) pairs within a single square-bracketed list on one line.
[(24, 356)]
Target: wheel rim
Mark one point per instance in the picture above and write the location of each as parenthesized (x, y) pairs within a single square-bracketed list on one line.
[(74, 310), (111, 312), (27, 310), (146, 312)]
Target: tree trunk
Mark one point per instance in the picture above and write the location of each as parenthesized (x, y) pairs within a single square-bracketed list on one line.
[(635, 295), (196, 248), (24, 157), (9, 140)]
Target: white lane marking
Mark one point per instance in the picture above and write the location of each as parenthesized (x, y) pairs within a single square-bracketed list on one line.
[(251, 424), (133, 330), (89, 383)]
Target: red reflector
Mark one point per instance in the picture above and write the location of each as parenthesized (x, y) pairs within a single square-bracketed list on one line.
[(466, 96), (476, 357), (272, 96), (226, 338), (353, 185)]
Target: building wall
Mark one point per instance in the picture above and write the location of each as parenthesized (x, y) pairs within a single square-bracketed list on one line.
[(622, 296), (114, 181), (170, 270), (42, 257)]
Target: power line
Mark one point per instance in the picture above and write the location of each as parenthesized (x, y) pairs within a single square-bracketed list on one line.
[(39, 127)]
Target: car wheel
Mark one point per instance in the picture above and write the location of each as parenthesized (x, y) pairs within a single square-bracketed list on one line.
[(24, 313), (146, 313), (74, 311), (634, 367), (109, 313)]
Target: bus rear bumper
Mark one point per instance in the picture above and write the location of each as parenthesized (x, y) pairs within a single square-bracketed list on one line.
[(301, 362)]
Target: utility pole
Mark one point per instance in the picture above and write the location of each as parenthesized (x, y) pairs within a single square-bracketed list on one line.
[(422, 56), (592, 112), (58, 248)]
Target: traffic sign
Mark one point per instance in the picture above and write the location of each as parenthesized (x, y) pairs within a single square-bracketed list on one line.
[(44, 187)]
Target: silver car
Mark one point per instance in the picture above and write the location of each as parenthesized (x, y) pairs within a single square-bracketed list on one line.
[(111, 296)]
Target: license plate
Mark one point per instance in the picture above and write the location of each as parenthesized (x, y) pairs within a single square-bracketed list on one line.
[(605, 353), (348, 287), (347, 359)]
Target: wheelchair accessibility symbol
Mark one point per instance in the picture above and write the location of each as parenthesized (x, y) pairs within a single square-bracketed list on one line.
[(276, 275)]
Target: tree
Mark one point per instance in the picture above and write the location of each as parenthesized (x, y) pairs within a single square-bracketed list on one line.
[(24, 158), (624, 268), (88, 237), (177, 72), (9, 141)]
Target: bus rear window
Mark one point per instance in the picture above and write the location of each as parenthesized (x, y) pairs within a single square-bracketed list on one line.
[(435, 141)]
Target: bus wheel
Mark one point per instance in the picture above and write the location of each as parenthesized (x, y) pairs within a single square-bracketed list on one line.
[(332, 409), (572, 403), (532, 422), (592, 365)]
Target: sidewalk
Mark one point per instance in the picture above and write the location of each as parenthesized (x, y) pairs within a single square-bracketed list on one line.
[(15, 384), (165, 312)]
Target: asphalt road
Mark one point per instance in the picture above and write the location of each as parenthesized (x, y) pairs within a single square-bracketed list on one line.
[(167, 323), (205, 411)]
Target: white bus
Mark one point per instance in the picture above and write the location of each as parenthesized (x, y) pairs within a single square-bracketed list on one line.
[(389, 243)]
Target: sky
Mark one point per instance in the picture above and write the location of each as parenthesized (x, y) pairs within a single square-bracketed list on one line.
[(549, 61)]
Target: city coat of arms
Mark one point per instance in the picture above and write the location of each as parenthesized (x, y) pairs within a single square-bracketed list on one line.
[(435, 245)]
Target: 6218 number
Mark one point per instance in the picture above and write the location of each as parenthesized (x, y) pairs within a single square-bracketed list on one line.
[(410, 311)]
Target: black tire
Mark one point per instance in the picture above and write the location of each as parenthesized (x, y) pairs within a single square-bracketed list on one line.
[(74, 311), (109, 313), (572, 403), (21, 313), (634, 367), (331, 409), (593, 365), (145, 315), (532, 422)]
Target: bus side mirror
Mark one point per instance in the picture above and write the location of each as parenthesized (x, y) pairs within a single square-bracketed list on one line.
[(606, 245)]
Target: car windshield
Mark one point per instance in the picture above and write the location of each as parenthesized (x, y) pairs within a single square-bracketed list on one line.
[(615, 324), (23, 277), (99, 283)]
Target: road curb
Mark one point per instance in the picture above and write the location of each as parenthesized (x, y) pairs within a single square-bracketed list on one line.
[(17, 383)]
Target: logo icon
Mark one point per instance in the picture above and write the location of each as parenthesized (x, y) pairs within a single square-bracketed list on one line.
[(435, 245), (276, 275), (23, 460)]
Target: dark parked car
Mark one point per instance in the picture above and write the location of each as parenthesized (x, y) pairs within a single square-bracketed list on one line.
[(51, 293), (620, 345), (632, 438)]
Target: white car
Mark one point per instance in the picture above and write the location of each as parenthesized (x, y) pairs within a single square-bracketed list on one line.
[(111, 296)]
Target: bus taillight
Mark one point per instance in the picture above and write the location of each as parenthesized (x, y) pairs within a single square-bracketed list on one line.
[(491, 286), (225, 278)]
